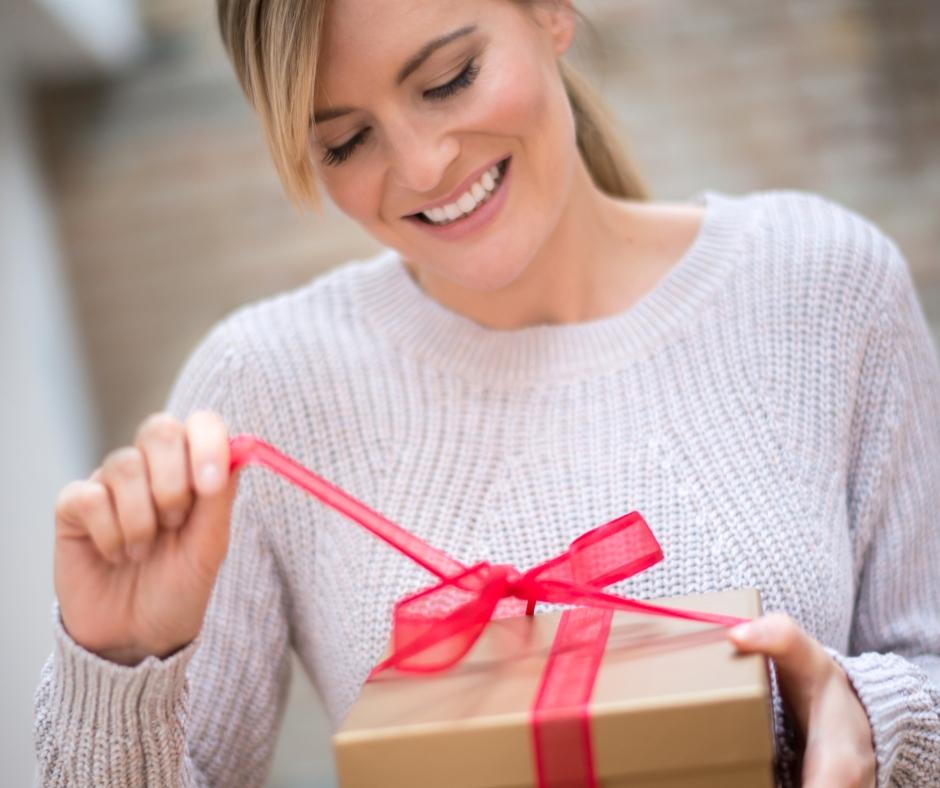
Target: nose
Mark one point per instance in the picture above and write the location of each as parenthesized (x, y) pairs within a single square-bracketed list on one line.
[(420, 156)]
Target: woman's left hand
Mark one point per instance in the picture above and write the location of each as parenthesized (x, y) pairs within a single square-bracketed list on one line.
[(833, 723)]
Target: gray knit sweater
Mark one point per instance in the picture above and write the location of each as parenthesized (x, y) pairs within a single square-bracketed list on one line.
[(772, 407)]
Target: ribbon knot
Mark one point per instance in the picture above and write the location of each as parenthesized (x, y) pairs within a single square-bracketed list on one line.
[(523, 586), (434, 628)]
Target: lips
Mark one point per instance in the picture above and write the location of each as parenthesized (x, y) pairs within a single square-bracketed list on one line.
[(461, 189), (473, 223)]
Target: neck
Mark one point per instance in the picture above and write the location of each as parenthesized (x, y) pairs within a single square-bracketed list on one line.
[(582, 272)]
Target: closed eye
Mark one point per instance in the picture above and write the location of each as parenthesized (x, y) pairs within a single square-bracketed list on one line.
[(464, 79), (339, 154)]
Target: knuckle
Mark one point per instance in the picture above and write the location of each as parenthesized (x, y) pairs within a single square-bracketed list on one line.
[(139, 528), (124, 463), (68, 499), (91, 499), (198, 417), (169, 487), (84, 499), (170, 495), (169, 482), (786, 628), (780, 618), (206, 421), (159, 428)]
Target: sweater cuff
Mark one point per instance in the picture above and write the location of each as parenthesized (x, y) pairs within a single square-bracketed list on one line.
[(114, 717), (904, 719), (96, 688)]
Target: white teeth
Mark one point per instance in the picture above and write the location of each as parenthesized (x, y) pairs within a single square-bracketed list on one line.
[(468, 201)]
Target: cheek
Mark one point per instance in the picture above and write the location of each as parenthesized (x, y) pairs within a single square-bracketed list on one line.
[(355, 191), (514, 97), (526, 100)]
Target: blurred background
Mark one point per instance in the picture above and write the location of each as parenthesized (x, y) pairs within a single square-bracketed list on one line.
[(138, 206)]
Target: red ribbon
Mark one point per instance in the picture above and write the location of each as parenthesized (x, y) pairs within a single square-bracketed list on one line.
[(560, 721), (433, 628)]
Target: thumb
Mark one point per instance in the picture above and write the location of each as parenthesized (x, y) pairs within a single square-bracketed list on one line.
[(205, 537), (798, 659)]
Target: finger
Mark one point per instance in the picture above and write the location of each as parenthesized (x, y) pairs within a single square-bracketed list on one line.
[(207, 437), (162, 441), (778, 636), (84, 510), (801, 664), (125, 475)]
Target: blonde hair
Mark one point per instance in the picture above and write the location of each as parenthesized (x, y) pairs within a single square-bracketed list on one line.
[(273, 46)]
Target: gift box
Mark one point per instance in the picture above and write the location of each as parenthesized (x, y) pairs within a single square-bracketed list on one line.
[(611, 691), (673, 705)]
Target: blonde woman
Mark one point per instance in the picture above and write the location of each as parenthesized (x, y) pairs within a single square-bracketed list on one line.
[(538, 349)]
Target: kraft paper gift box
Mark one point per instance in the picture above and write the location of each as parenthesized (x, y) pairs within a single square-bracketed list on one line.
[(673, 706)]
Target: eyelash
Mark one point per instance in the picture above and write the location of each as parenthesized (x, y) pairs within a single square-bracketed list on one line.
[(334, 156)]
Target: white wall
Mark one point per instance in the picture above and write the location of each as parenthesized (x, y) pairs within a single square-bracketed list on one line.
[(45, 428)]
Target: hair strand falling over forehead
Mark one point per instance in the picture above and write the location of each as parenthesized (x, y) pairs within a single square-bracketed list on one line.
[(273, 46)]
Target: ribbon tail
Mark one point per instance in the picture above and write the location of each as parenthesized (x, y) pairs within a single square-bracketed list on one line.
[(247, 449), (560, 719), (594, 597)]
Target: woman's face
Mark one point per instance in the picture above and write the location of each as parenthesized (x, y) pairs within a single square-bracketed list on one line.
[(413, 145)]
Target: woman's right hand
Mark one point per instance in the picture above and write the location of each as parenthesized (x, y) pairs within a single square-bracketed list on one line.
[(138, 545)]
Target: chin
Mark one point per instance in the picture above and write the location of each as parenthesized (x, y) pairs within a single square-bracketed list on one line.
[(497, 273)]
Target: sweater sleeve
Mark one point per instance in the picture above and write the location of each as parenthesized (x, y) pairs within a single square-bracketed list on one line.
[(894, 512), (206, 715)]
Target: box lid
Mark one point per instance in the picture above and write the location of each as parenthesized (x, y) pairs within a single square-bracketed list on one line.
[(670, 695)]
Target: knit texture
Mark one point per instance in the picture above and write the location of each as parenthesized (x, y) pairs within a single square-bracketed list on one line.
[(771, 406)]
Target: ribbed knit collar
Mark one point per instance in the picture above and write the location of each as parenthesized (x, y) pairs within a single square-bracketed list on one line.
[(415, 323)]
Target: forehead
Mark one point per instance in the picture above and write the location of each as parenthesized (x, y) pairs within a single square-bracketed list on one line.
[(374, 37)]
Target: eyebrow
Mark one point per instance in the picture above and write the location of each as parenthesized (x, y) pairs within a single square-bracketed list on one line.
[(406, 70)]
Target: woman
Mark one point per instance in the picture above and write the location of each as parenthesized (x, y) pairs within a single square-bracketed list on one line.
[(538, 350)]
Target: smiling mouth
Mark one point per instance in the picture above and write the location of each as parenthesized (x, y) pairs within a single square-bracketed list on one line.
[(421, 217)]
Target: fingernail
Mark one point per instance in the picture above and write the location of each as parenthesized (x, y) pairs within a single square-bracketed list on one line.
[(137, 552), (211, 478), (744, 632)]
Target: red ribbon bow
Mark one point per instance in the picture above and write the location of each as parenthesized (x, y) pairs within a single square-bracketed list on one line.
[(433, 628)]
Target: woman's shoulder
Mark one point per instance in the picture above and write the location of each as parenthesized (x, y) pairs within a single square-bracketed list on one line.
[(805, 254), (321, 310), (327, 301), (821, 238), (275, 342)]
